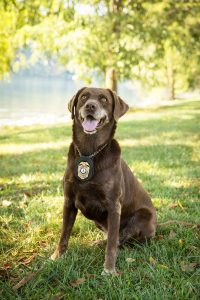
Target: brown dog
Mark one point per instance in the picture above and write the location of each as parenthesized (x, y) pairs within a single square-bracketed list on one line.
[(98, 182)]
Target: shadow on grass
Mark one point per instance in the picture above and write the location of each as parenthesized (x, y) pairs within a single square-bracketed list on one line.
[(180, 105), (168, 156), (42, 161), (40, 134), (54, 160), (139, 128), (50, 165), (126, 128)]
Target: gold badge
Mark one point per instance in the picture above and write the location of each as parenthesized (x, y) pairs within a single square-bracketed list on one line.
[(83, 170)]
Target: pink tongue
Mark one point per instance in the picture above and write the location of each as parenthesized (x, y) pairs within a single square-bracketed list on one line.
[(90, 125)]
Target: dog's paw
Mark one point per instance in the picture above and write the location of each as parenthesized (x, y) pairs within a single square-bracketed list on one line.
[(109, 272)]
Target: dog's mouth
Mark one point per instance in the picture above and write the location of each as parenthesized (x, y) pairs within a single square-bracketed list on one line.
[(90, 124)]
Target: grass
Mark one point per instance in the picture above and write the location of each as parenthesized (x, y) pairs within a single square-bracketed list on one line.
[(161, 146)]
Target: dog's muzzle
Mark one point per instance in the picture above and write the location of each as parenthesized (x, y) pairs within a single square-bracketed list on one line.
[(93, 116)]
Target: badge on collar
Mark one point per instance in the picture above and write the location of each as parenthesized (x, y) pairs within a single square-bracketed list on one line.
[(84, 168)]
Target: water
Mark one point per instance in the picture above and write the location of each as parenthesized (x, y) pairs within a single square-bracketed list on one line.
[(40, 94), (35, 100), (31, 99)]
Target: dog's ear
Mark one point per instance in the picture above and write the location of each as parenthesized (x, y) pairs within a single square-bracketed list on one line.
[(72, 103), (120, 107)]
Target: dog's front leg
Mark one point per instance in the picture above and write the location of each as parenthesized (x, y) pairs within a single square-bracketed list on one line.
[(69, 216), (114, 214)]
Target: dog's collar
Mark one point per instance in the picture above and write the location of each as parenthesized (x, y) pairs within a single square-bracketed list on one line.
[(93, 154), (84, 166)]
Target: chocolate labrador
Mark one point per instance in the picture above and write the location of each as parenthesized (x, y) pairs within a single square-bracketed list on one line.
[(98, 181)]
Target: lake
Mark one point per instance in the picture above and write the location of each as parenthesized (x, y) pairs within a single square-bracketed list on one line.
[(28, 99)]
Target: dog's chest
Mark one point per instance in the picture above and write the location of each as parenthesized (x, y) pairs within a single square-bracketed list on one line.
[(91, 203)]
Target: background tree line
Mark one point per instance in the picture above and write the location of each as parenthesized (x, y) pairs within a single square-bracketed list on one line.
[(156, 42)]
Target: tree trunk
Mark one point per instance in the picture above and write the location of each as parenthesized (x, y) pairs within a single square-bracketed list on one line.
[(172, 85), (111, 79), (171, 79), (116, 7)]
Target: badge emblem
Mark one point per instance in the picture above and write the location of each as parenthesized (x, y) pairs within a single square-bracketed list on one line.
[(84, 168)]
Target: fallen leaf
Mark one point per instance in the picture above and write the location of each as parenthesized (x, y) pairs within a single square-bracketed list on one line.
[(180, 205), (162, 266), (172, 234), (173, 205), (158, 237), (27, 194), (22, 258), (24, 281), (77, 282), (6, 203), (25, 260), (7, 266), (31, 250), (188, 267), (152, 261), (26, 225), (181, 242), (43, 244), (130, 259), (22, 204)]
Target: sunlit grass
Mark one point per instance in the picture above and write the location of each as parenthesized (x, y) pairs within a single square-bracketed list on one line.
[(22, 148), (161, 146)]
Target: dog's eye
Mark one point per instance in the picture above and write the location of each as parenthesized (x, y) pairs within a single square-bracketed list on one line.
[(104, 99), (83, 97)]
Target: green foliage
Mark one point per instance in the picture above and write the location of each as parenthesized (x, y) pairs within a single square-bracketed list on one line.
[(7, 32), (151, 41), (31, 24), (162, 147)]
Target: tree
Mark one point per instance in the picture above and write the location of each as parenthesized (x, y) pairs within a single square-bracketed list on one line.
[(177, 42), (7, 32), (182, 47), (145, 40), (150, 41), (108, 40), (29, 24)]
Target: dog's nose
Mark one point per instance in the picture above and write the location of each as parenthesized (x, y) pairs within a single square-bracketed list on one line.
[(91, 107)]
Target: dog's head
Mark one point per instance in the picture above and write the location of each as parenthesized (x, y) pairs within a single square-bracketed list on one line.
[(96, 107)]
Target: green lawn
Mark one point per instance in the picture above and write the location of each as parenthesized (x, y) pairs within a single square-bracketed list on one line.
[(161, 146)]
